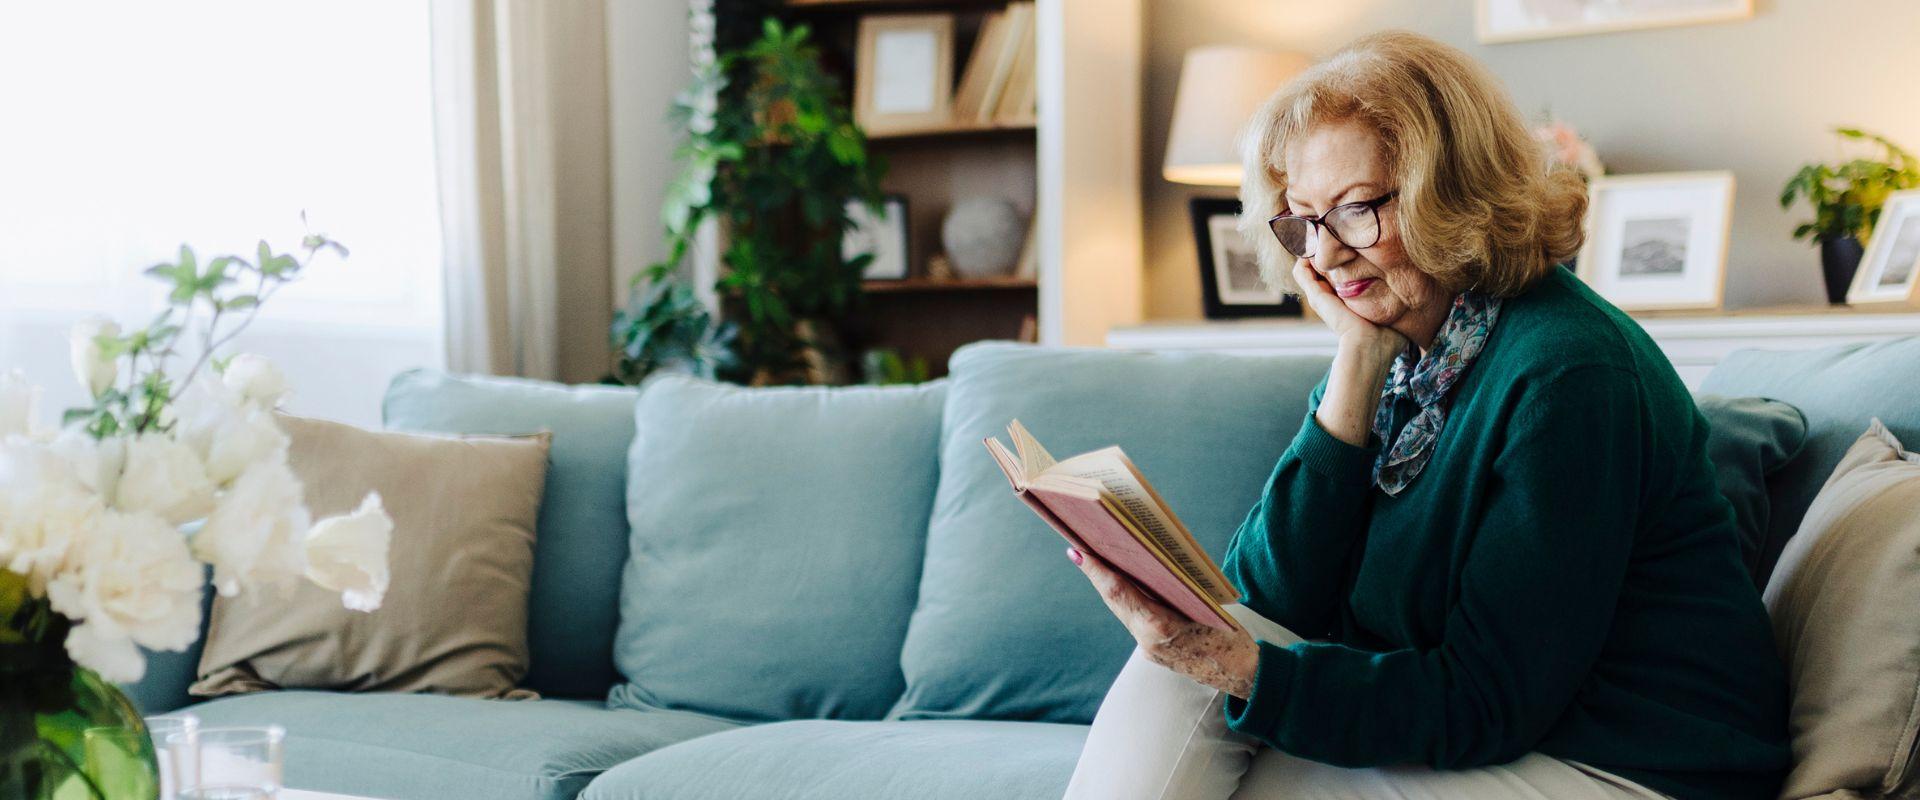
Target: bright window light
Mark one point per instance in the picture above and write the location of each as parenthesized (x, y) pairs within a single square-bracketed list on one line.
[(128, 128)]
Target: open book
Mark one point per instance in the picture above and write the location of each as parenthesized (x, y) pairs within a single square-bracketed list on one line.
[(1104, 506)]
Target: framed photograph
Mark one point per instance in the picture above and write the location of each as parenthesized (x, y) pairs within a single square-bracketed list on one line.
[(1230, 281), (1658, 241), (1520, 20), (884, 235), (903, 72), (1890, 271)]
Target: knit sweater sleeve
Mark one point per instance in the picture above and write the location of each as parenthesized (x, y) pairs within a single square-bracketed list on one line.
[(1536, 595), (1292, 551)]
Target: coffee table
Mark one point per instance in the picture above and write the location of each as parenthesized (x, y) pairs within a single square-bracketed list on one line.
[(302, 794)]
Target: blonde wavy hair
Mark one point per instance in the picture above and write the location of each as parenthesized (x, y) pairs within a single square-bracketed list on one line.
[(1481, 204)]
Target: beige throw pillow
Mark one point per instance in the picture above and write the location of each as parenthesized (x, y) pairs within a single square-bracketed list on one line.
[(454, 620), (1845, 601)]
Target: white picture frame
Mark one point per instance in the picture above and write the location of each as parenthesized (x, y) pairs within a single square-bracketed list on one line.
[(1890, 270), (903, 73), (1498, 21), (884, 235), (1658, 241)]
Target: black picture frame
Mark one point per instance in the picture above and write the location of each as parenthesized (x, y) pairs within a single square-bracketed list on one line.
[(889, 235), (1230, 304)]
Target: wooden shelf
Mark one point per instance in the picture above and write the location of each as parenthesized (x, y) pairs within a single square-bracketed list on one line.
[(864, 6), (954, 131), (922, 285)]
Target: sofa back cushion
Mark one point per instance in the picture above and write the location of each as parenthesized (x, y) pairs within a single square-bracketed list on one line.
[(1005, 627), (1839, 389), (582, 539), (1846, 614), (776, 547)]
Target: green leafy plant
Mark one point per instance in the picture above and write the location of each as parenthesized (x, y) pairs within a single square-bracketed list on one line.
[(1847, 196), (227, 290), (773, 155), (885, 366)]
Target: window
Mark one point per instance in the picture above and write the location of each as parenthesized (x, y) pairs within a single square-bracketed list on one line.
[(129, 128)]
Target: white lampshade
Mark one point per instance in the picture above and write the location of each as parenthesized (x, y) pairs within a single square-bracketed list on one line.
[(1220, 88)]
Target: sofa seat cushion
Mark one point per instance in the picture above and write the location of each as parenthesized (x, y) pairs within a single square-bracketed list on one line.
[(433, 747), (840, 760)]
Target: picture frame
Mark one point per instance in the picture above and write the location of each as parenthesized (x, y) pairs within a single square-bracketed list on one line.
[(1658, 241), (1498, 21), (1230, 280), (884, 235), (1890, 270), (903, 72)]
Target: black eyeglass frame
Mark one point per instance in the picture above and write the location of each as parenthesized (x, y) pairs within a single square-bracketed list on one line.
[(1321, 227)]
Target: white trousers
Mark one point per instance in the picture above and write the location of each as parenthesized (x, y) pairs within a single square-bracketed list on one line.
[(1160, 735)]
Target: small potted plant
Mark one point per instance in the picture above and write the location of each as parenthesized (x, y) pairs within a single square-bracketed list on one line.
[(1846, 199)]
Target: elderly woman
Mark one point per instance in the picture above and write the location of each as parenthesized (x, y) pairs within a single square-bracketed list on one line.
[(1497, 526)]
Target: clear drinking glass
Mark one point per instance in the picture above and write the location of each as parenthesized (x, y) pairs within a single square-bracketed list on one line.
[(176, 749), (237, 757)]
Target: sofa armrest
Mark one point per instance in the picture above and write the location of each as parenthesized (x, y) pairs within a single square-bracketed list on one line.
[(164, 687)]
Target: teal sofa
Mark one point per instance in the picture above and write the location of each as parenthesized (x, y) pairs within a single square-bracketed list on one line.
[(829, 593)]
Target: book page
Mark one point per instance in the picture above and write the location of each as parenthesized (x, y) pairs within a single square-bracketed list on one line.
[(1149, 514), (1034, 459)]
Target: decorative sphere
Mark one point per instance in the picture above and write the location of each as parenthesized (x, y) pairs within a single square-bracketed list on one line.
[(983, 236)]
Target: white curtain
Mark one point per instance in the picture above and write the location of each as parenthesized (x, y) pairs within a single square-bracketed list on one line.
[(520, 117)]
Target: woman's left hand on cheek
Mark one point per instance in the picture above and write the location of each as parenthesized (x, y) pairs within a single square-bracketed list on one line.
[(1224, 660)]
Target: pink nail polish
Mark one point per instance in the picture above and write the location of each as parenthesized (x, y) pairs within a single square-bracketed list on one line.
[(1074, 556)]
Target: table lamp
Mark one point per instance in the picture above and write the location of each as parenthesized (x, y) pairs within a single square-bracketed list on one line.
[(1220, 88)]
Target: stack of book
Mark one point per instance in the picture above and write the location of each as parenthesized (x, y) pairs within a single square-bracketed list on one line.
[(997, 87)]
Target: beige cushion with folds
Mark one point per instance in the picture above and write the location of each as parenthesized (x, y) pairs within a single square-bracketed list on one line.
[(1845, 601), (455, 616)]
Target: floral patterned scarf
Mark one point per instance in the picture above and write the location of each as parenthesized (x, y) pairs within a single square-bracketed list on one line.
[(1429, 382)]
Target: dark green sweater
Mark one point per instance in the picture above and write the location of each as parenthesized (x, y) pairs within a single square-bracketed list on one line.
[(1564, 577)]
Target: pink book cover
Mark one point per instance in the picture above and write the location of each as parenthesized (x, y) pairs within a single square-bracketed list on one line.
[(1090, 527)]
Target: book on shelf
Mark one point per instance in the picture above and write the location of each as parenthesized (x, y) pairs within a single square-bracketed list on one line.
[(994, 64), (1102, 505), (1016, 101)]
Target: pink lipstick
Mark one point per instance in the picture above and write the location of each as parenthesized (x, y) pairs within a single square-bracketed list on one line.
[(1352, 289)]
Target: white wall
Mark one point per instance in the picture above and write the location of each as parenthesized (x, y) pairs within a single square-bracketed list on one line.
[(1756, 97), (646, 67)]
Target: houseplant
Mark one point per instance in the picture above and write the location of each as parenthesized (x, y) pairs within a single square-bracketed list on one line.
[(108, 525), (773, 157), (1846, 198)]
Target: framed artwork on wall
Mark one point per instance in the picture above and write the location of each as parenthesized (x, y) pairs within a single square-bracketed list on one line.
[(1521, 20), (1658, 241), (1230, 280), (1890, 270), (903, 72), (884, 235)]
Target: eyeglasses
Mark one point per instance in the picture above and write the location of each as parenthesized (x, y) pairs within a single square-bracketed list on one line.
[(1356, 225)]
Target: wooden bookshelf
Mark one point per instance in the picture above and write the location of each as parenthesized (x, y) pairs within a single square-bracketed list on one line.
[(936, 167)]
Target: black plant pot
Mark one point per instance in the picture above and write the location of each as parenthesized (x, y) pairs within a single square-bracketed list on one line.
[(1839, 258)]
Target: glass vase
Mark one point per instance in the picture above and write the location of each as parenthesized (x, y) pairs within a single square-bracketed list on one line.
[(66, 734)]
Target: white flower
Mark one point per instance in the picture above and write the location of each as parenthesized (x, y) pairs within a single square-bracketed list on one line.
[(19, 401), (166, 477), (227, 433), (44, 510), (95, 463), (256, 379), (254, 537), (90, 364), (348, 554), (130, 581)]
